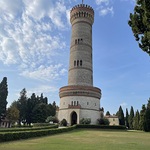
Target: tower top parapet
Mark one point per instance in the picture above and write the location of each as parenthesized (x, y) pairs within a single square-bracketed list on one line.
[(82, 7), (82, 11)]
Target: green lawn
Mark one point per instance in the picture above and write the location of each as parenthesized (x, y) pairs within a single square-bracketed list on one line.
[(85, 139)]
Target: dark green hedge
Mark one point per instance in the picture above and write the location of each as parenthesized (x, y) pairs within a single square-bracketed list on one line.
[(28, 129), (40, 124), (11, 136), (18, 135), (101, 127)]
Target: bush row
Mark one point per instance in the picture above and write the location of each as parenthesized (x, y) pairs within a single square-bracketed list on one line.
[(28, 129), (11, 136), (101, 126), (40, 124)]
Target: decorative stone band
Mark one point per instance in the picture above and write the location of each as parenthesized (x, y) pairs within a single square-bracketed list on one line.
[(78, 90), (81, 109), (80, 68)]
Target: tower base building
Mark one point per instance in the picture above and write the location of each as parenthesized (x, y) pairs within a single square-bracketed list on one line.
[(80, 99)]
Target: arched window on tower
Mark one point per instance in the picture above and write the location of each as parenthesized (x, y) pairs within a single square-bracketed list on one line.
[(74, 103), (76, 41), (80, 62), (74, 63), (77, 63)]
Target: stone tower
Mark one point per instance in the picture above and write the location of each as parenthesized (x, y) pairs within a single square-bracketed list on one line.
[(80, 99)]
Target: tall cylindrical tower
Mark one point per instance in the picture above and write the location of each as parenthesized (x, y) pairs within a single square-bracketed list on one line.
[(80, 66), (80, 99)]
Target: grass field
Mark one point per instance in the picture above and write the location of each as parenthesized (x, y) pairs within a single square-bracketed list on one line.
[(85, 139)]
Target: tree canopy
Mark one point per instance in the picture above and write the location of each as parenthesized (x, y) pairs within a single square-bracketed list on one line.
[(120, 115), (131, 116), (34, 109), (140, 24), (3, 97)]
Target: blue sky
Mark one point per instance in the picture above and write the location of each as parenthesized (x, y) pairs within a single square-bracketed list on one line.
[(34, 51)]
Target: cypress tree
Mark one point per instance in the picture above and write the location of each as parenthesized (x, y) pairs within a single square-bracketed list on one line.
[(3, 97), (136, 121), (127, 118), (147, 117), (121, 116), (22, 106), (142, 118), (107, 113), (131, 116)]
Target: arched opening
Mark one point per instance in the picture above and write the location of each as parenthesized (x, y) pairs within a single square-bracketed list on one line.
[(73, 118)]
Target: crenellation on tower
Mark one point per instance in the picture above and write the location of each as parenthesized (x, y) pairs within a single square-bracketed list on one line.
[(80, 99), (82, 11)]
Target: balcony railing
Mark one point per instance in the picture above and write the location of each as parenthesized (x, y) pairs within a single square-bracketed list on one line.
[(74, 106)]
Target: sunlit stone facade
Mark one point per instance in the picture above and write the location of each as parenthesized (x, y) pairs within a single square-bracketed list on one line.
[(80, 99)]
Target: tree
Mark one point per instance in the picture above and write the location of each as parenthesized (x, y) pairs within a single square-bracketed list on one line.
[(127, 118), (31, 103), (22, 106), (120, 115), (140, 24), (131, 116), (107, 113), (136, 121), (142, 118), (40, 113), (43, 100), (52, 108), (12, 114), (3, 97), (147, 117)]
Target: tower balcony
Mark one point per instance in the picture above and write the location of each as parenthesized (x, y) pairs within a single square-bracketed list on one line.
[(74, 106)]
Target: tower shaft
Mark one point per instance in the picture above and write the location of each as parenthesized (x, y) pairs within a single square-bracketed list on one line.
[(80, 64)]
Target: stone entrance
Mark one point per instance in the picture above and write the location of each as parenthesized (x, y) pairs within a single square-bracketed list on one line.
[(73, 118)]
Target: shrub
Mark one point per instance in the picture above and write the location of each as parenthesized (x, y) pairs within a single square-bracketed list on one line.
[(101, 127), (40, 124), (11, 136), (103, 121), (63, 122), (85, 121), (28, 129), (52, 119)]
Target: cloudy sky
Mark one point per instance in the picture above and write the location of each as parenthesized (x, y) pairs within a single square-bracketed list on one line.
[(34, 51)]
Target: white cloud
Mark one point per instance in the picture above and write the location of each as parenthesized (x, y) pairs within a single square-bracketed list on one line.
[(104, 7), (42, 88), (129, 0), (46, 89), (123, 104), (52, 72), (99, 2), (105, 11), (30, 36)]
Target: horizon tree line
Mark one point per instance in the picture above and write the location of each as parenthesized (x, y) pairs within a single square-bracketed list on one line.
[(135, 120), (34, 109)]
